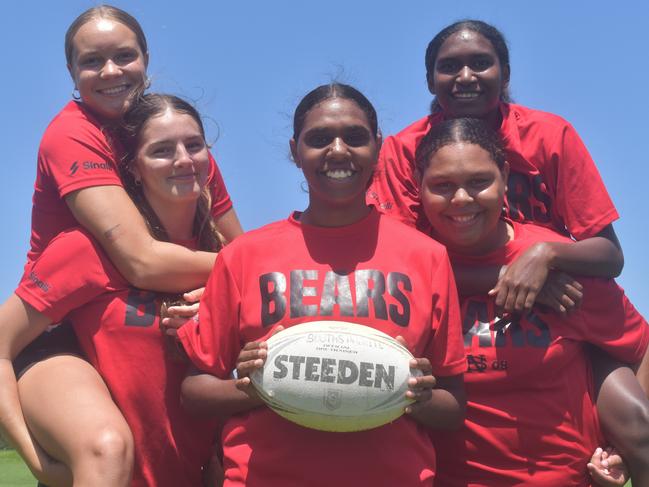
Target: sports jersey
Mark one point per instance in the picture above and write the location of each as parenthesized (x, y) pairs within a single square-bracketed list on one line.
[(530, 413), (77, 152), (552, 182), (118, 330), (376, 272)]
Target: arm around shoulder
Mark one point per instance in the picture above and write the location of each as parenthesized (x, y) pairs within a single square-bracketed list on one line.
[(597, 256), (110, 215)]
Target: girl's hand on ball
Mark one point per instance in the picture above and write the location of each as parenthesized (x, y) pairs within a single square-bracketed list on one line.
[(252, 356), (420, 387)]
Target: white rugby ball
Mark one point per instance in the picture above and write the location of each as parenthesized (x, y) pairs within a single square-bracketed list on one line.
[(335, 376)]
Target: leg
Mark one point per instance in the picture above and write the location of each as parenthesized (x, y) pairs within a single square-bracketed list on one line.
[(624, 414), (213, 474), (643, 373), (73, 417)]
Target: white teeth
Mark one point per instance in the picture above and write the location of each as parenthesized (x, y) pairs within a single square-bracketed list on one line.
[(339, 173), (115, 90), (465, 94), (463, 218)]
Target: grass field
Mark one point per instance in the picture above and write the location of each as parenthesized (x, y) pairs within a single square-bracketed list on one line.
[(13, 472)]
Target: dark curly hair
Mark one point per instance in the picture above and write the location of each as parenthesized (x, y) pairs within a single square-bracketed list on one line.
[(471, 130)]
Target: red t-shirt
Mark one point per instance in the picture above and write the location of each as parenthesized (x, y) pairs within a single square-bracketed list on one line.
[(553, 181), (530, 413), (118, 330), (76, 153), (377, 273)]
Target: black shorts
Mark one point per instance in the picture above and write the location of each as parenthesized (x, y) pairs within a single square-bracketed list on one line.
[(59, 340)]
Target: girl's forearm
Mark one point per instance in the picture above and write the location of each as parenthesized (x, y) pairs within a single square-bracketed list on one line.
[(206, 395), (12, 422), (592, 257)]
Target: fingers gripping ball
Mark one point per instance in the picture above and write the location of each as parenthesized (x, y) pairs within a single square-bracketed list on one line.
[(335, 376)]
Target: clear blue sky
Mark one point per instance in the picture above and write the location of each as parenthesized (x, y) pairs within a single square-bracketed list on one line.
[(247, 64)]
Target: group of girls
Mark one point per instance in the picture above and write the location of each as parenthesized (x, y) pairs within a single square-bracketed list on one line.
[(130, 210), (153, 228)]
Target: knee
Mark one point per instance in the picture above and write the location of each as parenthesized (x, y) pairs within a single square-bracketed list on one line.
[(113, 445), (109, 450)]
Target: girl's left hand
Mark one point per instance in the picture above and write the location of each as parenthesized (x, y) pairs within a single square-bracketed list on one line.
[(607, 469), (521, 282), (420, 388)]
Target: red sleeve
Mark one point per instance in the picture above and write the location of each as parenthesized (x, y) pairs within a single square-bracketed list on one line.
[(609, 321), (76, 154), (213, 343), (394, 190), (446, 349), (581, 200), (221, 201), (69, 273)]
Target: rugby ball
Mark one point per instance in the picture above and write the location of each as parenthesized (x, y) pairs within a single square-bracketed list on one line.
[(335, 376)]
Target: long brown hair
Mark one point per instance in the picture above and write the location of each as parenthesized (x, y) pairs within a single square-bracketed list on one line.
[(207, 236), (139, 113)]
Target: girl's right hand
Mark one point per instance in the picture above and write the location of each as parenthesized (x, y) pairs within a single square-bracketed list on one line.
[(173, 317), (561, 292), (252, 357)]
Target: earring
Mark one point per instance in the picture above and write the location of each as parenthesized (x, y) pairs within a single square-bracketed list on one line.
[(147, 83), (75, 94)]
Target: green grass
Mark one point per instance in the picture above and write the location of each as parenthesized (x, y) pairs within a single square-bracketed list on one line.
[(13, 472)]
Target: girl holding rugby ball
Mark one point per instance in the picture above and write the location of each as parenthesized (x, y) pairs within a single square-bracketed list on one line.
[(282, 275)]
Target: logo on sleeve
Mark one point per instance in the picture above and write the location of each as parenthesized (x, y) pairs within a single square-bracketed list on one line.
[(40, 284), (91, 166)]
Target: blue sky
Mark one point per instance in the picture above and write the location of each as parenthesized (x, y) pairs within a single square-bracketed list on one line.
[(247, 64)]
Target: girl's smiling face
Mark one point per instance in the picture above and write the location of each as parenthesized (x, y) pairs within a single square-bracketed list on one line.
[(337, 152), (172, 160), (107, 66), (468, 79), (462, 193)]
